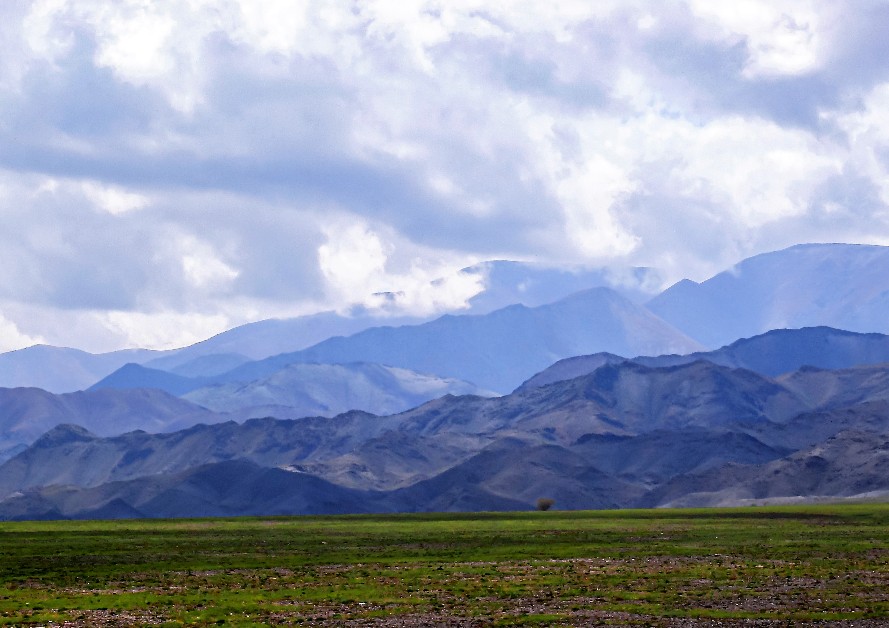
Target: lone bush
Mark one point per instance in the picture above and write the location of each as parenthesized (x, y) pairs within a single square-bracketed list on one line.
[(545, 503)]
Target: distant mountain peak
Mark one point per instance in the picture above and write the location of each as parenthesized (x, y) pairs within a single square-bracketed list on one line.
[(64, 433), (844, 286)]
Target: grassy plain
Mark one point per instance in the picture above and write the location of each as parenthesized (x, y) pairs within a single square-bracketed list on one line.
[(821, 565)]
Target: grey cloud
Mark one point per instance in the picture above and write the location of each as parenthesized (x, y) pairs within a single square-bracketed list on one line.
[(862, 55), (706, 77), (70, 257), (72, 96), (284, 141), (712, 72), (59, 250), (848, 196), (530, 65), (273, 248), (272, 147), (676, 230)]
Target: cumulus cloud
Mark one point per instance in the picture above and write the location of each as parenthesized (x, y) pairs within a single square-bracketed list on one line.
[(780, 38), (358, 261), (12, 338), (169, 169), (113, 200)]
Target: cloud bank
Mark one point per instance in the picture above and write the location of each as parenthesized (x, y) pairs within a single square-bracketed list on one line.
[(169, 169)]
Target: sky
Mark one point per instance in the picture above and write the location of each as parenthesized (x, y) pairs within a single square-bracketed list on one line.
[(171, 169)]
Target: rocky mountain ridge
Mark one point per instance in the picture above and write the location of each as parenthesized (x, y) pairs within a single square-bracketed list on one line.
[(771, 354), (624, 435)]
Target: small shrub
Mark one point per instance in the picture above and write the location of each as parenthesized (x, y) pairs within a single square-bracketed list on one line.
[(545, 503)]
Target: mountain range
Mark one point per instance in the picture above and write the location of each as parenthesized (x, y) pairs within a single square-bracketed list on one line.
[(295, 391), (496, 351), (300, 390), (26, 413), (60, 369), (623, 435), (837, 285), (771, 354), (501, 283), (768, 382)]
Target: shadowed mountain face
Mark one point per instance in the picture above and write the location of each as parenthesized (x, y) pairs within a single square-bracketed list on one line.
[(230, 488), (845, 286), (501, 283), (771, 354), (569, 368), (500, 350), (624, 435), (851, 463)]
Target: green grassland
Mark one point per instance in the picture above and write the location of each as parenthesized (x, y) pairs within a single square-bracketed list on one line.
[(821, 565)]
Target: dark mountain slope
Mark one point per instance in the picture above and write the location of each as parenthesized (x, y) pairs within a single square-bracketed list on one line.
[(70, 455), (626, 434), (810, 428), (711, 409), (517, 473), (507, 475), (654, 457), (771, 354), (230, 488), (850, 463), (569, 368), (785, 350), (839, 388), (631, 398)]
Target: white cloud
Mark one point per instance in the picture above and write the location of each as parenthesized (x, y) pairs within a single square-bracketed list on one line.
[(161, 330), (147, 44), (113, 199), (355, 261), (756, 170), (216, 160), (430, 291), (588, 193), (202, 267), (11, 338), (352, 261), (867, 131), (40, 32), (134, 42), (783, 37)]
